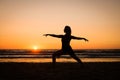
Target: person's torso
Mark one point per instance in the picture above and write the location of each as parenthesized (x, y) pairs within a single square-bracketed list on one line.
[(66, 42)]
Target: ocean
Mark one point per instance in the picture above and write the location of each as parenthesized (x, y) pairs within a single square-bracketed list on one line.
[(44, 55)]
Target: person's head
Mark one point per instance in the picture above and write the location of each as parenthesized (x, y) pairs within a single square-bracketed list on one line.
[(67, 30)]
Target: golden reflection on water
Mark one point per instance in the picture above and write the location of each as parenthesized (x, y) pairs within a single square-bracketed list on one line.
[(45, 60)]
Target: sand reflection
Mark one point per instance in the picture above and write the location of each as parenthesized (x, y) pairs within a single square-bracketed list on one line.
[(45, 60)]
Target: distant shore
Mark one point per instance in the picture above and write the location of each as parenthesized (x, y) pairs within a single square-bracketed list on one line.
[(61, 71)]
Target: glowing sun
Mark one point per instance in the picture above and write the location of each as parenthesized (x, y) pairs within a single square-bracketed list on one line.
[(35, 47)]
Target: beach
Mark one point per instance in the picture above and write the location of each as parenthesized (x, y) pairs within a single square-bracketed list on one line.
[(27, 65), (61, 71)]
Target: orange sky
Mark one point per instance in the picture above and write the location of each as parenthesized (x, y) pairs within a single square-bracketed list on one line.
[(23, 22)]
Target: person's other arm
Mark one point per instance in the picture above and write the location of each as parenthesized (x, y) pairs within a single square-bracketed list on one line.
[(79, 38), (53, 35)]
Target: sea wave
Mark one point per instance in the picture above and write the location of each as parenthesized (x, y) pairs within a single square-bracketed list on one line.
[(47, 53)]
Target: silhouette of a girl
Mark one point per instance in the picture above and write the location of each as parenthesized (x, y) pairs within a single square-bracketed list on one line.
[(66, 48)]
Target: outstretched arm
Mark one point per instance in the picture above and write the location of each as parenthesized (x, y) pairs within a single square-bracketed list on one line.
[(79, 38), (53, 35)]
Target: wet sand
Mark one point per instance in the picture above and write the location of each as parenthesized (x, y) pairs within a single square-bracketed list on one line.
[(61, 71), (49, 60)]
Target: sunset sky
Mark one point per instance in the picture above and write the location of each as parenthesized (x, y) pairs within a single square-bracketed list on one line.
[(23, 23)]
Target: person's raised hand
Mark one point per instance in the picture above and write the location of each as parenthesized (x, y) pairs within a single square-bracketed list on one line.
[(45, 35), (86, 39)]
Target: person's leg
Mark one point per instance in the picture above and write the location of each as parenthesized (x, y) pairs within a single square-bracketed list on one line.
[(56, 54), (72, 54)]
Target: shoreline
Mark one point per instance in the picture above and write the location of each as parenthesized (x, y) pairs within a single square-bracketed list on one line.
[(46, 60)]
